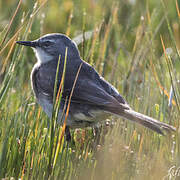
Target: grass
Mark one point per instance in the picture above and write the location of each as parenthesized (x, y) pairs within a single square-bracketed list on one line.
[(135, 46)]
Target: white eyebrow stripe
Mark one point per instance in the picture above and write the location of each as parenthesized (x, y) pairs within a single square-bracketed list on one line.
[(47, 40)]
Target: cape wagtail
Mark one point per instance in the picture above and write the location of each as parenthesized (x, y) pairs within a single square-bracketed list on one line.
[(93, 98)]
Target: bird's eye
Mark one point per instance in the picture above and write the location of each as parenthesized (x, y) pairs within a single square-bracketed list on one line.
[(47, 43)]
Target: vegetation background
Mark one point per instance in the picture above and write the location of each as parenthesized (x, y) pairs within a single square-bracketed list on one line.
[(135, 46)]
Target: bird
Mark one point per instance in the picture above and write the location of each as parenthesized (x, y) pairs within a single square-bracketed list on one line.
[(93, 98)]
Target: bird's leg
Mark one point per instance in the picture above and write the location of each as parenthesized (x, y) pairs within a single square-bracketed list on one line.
[(68, 134), (100, 133), (97, 135)]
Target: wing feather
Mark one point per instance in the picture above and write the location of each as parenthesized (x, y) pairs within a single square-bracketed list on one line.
[(90, 88)]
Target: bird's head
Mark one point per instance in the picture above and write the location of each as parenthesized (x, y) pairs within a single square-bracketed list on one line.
[(52, 46)]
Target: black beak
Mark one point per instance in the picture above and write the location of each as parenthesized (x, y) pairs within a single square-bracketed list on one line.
[(33, 44)]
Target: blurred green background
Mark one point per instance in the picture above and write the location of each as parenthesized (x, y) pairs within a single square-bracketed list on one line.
[(135, 46)]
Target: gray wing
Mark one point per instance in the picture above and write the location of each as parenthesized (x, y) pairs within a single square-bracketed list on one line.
[(90, 88)]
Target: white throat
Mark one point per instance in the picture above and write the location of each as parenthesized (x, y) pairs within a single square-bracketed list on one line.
[(42, 56)]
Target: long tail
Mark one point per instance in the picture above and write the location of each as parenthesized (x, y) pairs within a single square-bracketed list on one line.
[(147, 121)]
